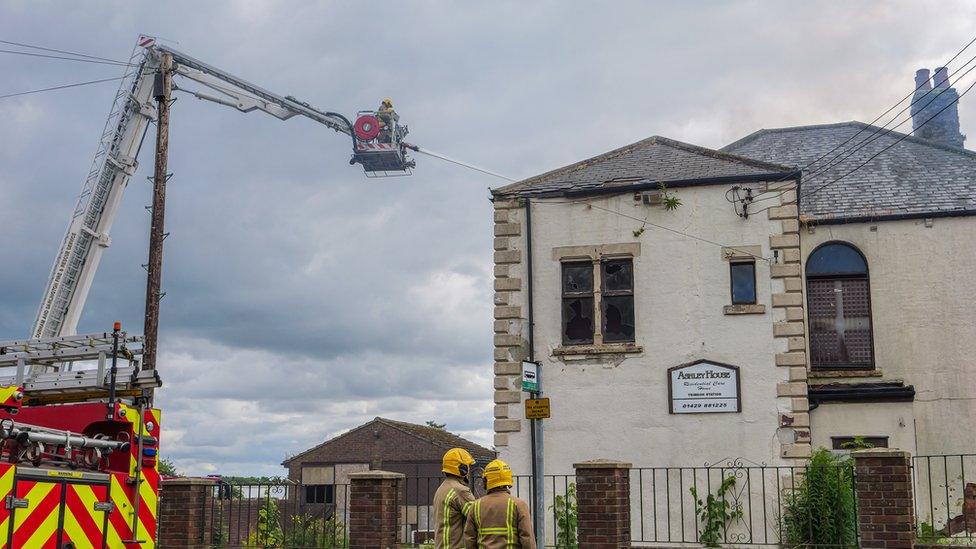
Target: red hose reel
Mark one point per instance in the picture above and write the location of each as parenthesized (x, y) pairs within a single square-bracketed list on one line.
[(367, 127)]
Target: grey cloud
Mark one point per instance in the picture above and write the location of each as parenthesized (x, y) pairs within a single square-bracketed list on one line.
[(302, 298)]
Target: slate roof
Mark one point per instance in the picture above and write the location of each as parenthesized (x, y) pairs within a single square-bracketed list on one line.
[(916, 177), (656, 159), (437, 437)]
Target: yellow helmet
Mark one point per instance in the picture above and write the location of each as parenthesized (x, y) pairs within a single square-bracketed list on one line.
[(388, 102), (454, 460), (497, 473)]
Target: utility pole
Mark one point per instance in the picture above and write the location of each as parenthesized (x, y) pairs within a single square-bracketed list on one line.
[(162, 89)]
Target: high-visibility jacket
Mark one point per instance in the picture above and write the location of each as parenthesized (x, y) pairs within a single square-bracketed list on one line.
[(452, 503), (499, 521)]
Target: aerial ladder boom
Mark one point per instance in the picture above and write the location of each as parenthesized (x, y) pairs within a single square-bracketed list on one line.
[(116, 160)]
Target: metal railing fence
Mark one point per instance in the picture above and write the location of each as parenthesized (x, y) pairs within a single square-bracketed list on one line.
[(733, 503), (301, 516), (278, 514), (945, 498)]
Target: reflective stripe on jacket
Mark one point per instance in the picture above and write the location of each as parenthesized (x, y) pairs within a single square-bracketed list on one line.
[(499, 521), (452, 503)]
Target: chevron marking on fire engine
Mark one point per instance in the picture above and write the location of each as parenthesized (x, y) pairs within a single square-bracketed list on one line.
[(7, 393), (35, 525), (6, 488), (82, 523), (121, 519), (148, 486)]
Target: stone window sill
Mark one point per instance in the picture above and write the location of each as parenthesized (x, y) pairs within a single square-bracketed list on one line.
[(750, 309), (601, 349), (836, 374)]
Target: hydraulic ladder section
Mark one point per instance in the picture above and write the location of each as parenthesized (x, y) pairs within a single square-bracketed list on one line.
[(45, 368), (91, 221), (115, 161)]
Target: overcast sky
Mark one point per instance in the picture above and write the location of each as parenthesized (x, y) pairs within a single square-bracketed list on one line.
[(302, 298)]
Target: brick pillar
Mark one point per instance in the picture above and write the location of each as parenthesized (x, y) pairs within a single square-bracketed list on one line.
[(603, 504), (885, 506), (373, 509), (184, 512)]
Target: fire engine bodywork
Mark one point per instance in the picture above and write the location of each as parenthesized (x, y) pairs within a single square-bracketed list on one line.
[(46, 504)]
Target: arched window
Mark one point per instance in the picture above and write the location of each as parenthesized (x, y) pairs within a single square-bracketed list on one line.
[(839, 304)]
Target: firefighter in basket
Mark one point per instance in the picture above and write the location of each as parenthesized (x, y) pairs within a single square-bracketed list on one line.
[(388, 120), (453, 499), (498, 520)]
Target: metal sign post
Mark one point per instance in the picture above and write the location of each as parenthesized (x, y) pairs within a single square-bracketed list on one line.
[(534, 369)]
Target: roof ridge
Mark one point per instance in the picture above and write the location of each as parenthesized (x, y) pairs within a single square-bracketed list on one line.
[(397, 424), (637, 145), (579, 164), (723, 155), (330, 439), (863, 125)]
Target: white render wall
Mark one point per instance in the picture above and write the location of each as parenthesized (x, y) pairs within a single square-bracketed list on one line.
[(894, 420), (616, 406), (923, 301)]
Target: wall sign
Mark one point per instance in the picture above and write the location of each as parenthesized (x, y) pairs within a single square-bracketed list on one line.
[(530, 377), (704, 387), (537, 408)]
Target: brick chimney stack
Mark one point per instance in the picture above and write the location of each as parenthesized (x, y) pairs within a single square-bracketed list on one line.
[(943, 128)]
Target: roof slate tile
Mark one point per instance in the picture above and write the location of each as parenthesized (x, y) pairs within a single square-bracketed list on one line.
[(913, 177)]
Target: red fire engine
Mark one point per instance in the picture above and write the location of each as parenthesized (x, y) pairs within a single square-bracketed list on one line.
[(78, 462)]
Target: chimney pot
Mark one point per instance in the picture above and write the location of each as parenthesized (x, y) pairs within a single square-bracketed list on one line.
[(922, 80), (941, 77)]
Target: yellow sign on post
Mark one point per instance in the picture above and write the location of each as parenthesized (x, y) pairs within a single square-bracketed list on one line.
[(537, 408)]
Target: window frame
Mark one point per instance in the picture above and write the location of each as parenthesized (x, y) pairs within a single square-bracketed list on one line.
[(866, 276), (604, 292), (312, 492), (597, 293), (837, 442), (564, 296), (755, 288)]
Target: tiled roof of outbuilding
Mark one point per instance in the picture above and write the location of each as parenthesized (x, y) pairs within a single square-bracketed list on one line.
[(440, 437), (437, 437), (913, 177), (656, 159)]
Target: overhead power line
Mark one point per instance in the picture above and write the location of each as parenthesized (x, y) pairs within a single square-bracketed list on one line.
[(879, 133), (76, 54), (53, 88), (871, 124), (899, 140), (76, 59), (652, 224)]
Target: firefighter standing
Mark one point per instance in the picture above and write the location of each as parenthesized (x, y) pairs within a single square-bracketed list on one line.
[(453, 499), (498, 520), (388, 118)]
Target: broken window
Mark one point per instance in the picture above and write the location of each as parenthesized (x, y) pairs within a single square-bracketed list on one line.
[(743, 277), (578, 303), (839, 304), (618, 300)]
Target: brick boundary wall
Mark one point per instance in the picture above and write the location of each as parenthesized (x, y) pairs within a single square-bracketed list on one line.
[(603, 504), (885, 506), (373, 509), (184, 512)]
